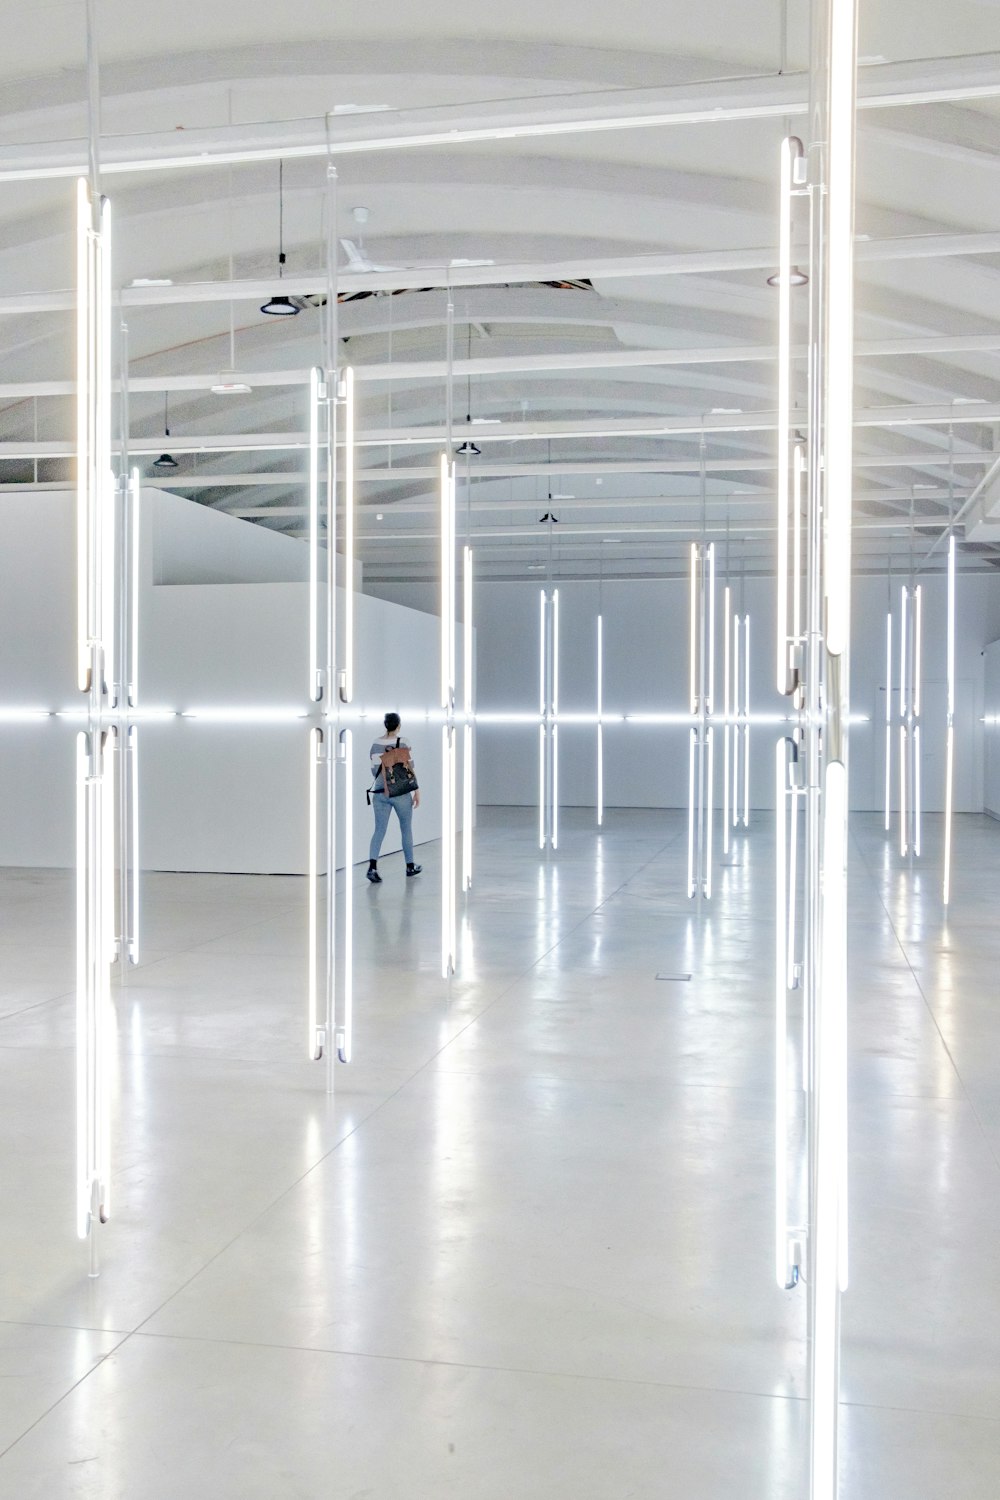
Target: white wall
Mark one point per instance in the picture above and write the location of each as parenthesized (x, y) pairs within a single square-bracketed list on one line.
[(645, 670), (213, 797)]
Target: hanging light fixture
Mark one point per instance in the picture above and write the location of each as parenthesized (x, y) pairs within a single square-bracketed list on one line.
[(469, 449), (279, 306), (165, 463)]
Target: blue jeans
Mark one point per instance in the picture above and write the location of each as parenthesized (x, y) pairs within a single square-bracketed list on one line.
[(382, 806)]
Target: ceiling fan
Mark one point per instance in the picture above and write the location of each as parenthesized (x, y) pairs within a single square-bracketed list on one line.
[(357, 260)]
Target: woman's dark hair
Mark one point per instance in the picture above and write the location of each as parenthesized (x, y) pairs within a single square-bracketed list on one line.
[(391, 723)]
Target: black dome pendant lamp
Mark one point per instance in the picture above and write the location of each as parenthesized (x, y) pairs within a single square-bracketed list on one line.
[(469, 449), (280, 306), (166, 463)]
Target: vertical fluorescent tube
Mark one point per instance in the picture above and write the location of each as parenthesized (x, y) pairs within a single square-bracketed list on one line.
[(312, 1021), (135, 492), (799, 475), (555, 786), (710, 685), (541, 786), (949, 768), (467, 670), (692, 743), (829, 1252), (83, 448), (903, 774), (780, 1018), (467, 808), (746, 721), (709, 809), (784, 401), (555, 652), (347, 1044), (446, 858), (838, 444), (554, 738), (727, 729), (106, 488), (104, 953), (347, 690), (918, 621), (82, 994), (888, 717), (600, 720), (541, 651), (543, 698), (133, 750), (903, 630), (693, 634), (916, 790), (737, 728), (313, 521), (793, 877)]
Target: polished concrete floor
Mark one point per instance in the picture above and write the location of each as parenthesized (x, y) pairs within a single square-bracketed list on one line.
[(525, 1252)]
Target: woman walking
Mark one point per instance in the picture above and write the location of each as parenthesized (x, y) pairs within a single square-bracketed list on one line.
[(383, 805)]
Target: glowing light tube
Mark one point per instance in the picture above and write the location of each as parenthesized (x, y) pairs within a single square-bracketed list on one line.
[(780, 1019), (916, 790), (949, 764), (554, 736), (902, 789), (799, 476), (709, 808), (791, 150), (838, 446), (918, 620), (541, 786), (829, 1251), (315, 379), (135, 492), (345, 1049), (600, 721), (727, 714), (105, 488), (347, 680), (83, 1051), (313, 1049), (447, 853), (84, 369), (710, 684), (693, 637), (746, 721), (133, 750), (888, 719), (737, 730), (692, 750), (467, 671)]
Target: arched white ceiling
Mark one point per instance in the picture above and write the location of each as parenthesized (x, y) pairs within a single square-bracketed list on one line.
[(581, 199)]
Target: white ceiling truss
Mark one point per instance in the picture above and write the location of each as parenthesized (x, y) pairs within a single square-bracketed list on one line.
[(601, 216)]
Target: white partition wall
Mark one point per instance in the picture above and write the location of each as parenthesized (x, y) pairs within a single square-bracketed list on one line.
[(228, 795), (644, 669)]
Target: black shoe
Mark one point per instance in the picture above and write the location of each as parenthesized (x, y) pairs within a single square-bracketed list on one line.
[(374, 877), (413, 870)]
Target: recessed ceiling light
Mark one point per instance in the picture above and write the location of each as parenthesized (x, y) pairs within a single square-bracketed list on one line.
[(378, 515), (726, 411), (486, 421), (151, 281)]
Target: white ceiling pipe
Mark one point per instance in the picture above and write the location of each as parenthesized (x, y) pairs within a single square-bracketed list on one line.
[(730, 100), (517, 432), (434, 277)]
